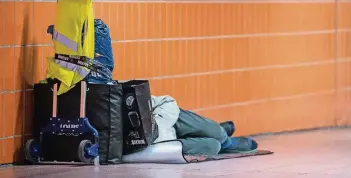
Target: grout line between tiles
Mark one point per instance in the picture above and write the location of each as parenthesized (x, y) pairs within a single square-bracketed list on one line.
[(23, 115), (301, 33), (27, 45), (13, 68), (116, 20), (336, 72), (15, 136), (133, 26), (124, 36), (138, 27), (160, 30), (205, 1), (3, 114), (319, 32), (200, 1), (4, 73), (281, 66), (139, 20), (5, 109), (270, 99), (146, 34), (200, 52), (14, 91)]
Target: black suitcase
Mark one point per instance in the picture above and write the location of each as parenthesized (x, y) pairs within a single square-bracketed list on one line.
[(140, 128), (73, 139)]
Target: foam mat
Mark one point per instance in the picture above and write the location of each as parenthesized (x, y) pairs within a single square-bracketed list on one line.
[(171, 152)]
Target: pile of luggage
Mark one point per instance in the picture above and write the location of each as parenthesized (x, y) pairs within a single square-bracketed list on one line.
[(81, 114)]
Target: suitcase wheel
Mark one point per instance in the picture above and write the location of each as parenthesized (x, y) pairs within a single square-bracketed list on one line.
[(31, 151), (83, 151)]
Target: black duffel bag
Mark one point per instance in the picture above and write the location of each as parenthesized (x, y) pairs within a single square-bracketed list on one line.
[(139, 127), (103, 110)]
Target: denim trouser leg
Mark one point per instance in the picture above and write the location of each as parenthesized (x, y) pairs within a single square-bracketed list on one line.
[(198, 134)]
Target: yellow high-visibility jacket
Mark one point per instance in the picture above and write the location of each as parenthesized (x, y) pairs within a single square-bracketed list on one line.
[(73, 35)]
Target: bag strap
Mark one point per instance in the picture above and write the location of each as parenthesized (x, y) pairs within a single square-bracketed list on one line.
[(84, 62)]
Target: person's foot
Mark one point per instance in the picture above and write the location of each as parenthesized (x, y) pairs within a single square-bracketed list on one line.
[(229, 127), (239, 145)]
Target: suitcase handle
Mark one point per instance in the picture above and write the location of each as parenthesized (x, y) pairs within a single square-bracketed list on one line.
[(83, 90), (83, 95), (54, 101)]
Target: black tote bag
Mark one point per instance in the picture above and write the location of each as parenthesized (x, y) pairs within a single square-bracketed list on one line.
[(103, 110), (140, 128)]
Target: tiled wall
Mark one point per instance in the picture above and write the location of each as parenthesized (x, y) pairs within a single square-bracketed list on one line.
[(268, 65)]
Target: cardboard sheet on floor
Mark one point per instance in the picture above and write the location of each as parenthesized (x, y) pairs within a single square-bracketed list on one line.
[(171, 152)]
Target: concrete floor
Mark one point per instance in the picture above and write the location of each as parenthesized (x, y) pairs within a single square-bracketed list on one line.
[(315, 154)]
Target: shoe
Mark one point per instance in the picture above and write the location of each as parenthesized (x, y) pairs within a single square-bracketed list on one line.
[(229, 127), (243, 145)]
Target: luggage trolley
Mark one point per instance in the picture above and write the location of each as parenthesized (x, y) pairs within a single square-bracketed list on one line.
[(87, 151)]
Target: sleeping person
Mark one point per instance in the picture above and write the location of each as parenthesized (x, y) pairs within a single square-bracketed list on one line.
[(199, 135)]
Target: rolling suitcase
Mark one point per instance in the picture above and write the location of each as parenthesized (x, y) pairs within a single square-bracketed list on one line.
[(103, 110), (58, 131)]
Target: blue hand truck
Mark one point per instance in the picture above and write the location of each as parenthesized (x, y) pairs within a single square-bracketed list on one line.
[(87, 151)]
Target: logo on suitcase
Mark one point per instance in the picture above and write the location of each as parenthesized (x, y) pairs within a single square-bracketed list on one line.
[(69, 126)]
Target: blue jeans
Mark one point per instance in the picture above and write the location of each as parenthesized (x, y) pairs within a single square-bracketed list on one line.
[(103, 47), (198, 134)]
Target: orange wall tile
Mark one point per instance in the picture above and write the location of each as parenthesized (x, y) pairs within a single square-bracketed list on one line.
[(243, 86), (268, 66), (343, 113), (273, 115), (184, 56), (344, 41), (344, 10)]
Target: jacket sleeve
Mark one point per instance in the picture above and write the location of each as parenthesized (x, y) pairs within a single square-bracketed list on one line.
[(165, 111)]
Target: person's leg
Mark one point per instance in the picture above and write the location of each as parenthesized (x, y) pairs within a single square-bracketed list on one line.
[(207, 146), (190, 124)]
